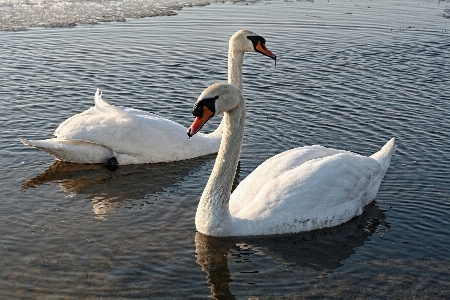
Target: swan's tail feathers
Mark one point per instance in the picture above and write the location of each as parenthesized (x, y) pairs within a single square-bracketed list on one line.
[(44, 145), (48, 146), (384, 155), (72, 151), (26, 142)]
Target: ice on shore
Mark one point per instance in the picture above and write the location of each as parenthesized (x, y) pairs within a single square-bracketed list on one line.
[(22, 14)]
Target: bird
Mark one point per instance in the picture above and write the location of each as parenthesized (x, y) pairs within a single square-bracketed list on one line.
[(301, 189), (116, 135)]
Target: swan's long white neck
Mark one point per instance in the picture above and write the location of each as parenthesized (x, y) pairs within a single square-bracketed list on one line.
[(235, 61), (213, 214)]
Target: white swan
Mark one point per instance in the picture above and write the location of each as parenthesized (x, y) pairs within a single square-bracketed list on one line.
[(133, 136), (301, 189)]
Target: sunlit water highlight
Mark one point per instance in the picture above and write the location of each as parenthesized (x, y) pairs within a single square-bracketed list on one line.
[(350, 75)]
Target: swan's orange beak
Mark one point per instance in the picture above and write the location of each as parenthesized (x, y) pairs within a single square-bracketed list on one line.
[(261, 48), (200, 121)]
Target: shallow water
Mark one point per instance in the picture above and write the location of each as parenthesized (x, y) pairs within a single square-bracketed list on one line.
[(350, 75)]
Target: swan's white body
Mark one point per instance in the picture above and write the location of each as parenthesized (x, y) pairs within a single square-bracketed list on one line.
[(301, 189), (133, 136)]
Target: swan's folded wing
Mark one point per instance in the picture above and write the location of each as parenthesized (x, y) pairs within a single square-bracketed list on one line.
[(123, 130), (271, 169), (309, 183)]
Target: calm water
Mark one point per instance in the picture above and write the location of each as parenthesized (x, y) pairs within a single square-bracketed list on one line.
[(350, 75)]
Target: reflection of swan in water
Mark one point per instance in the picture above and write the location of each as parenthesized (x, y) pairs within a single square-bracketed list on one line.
[(323, 249), (108, 190)]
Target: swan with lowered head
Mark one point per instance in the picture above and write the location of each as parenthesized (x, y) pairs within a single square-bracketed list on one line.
[(133, 136), (301, 189)]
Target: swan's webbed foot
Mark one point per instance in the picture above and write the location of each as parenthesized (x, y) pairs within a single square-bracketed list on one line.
[(112, 164)]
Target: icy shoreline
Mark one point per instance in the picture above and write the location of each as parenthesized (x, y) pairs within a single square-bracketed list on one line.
[(18, 15)]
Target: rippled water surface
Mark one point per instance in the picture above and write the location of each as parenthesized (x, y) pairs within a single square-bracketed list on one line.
[(350, 75)]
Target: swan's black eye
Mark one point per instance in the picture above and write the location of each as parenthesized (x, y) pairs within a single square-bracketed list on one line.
[(255, 39), (210, 103)]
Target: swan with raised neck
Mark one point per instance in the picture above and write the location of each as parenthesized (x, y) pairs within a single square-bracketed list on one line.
[(241, 42), (213, 215), (301, 189), (132, 136)]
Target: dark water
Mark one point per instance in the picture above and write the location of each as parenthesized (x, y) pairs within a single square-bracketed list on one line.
[(350, 75)]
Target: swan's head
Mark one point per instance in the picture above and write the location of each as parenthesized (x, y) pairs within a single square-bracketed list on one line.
[(214, 100), (247, 41)]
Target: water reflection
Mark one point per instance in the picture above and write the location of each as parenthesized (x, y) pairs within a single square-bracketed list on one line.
[(108, 190), (318, 250)]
